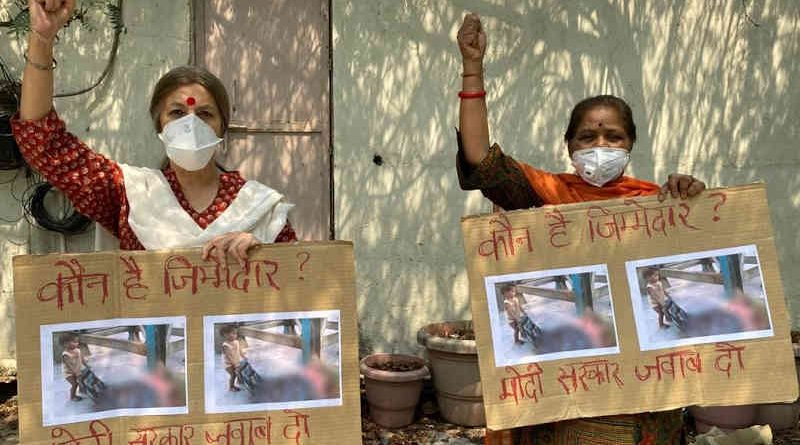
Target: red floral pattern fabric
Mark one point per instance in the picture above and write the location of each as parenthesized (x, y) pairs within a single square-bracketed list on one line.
[(94, 183)]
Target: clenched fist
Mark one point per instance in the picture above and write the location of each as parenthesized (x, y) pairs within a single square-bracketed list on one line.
[(472, 39), (49, 16)]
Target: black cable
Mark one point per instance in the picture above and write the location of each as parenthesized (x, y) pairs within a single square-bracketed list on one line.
[(70, 224)]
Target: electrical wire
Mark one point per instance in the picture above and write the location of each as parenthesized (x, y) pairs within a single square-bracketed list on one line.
[(70, 224)]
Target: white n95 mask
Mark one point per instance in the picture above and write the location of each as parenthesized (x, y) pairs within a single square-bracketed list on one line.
[(190, 143), (600, 165)]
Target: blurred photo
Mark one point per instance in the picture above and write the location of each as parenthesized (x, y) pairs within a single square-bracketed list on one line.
[(268, 361), (106, 368), (549, 315), (701, 297)]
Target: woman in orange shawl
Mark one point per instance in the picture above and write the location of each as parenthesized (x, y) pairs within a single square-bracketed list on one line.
[(599, 137)]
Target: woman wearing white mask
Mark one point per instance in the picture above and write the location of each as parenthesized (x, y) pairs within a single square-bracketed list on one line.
[(599, 138), (191, 202)]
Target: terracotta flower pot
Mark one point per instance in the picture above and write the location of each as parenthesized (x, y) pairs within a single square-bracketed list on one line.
[(726, 418), (796, 349), (779, 416), (456, 377), (393, 395)]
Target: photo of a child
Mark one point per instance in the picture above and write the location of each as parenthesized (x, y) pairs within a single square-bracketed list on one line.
[(513, 308), (699, 297), (106, 368), (233, 352), (657, 294), (76, 369), (552, 314), (267, 361)]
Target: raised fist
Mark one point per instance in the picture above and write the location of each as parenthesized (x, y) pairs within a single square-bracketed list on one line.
[(49, 16), (472, 39)]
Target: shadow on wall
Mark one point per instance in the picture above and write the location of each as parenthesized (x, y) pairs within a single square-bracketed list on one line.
[(112, 119), (709, 84)]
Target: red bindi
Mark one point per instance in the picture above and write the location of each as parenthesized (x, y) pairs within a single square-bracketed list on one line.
[(190, 101)]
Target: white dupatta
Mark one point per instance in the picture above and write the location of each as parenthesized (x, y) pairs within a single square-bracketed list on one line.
[(159, 221)]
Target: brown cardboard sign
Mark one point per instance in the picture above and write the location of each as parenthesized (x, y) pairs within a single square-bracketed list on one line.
[(628, 305), (164, 347)]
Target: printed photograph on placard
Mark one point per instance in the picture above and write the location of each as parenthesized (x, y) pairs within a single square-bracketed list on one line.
[(117, 367), (700, 297), (279, 360), (552, 314)]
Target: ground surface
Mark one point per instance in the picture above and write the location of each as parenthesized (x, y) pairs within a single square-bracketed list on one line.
[(429, 428)]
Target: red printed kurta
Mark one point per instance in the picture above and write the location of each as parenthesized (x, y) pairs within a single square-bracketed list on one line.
[(94, 183)]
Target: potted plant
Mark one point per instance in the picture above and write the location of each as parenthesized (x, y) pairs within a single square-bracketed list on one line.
[(393, 383), (453, 356), (782, 416), (726, 418)]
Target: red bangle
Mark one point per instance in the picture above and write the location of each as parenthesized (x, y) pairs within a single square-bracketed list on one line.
[(471, 94)]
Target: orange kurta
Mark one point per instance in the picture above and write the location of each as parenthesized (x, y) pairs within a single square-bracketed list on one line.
[(514, 185)]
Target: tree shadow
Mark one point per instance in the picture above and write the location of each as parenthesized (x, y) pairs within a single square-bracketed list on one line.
[(708, 84), (112, 119)]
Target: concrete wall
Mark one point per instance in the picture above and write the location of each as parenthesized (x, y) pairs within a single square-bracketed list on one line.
[(113, 119), (710, 84), (713, 86)]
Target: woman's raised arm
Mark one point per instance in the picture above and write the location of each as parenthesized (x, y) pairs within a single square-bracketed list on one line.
[(47, 18), (473, 121)]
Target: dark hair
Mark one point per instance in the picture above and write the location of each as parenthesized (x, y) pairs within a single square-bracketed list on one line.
[(606, 100), (650, 271), (67, 337), (189, 75), (505, 288), (227, 329)]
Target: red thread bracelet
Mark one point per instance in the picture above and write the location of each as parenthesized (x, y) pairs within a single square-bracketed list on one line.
[(471, 94)]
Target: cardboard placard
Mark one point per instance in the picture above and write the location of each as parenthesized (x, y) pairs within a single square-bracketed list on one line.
[(628, 305), (167, 348)]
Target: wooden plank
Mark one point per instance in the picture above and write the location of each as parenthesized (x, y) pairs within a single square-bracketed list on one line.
[(108, 331), (537, 281), (684, 264), (558, 294), (267, 324), (297, 127), (114, 343), (699, 277), (281, 339)]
